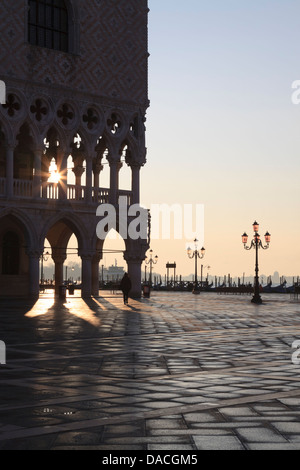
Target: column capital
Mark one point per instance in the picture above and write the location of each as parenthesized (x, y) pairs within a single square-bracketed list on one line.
[(86, 256), (135, 165), (78, 170), (39, 150), (97, 167), (97, 257), (114, 162), (59, 256), (34, 253), (10, 145)]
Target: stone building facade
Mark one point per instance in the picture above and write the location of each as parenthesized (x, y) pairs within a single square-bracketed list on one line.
[(76, 90)]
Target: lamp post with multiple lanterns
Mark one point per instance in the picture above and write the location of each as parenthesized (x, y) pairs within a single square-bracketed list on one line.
[(196, 254), (44, 257), (256, 243), (151, 261)]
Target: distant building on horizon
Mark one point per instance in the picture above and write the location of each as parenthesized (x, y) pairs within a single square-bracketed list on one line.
[(112, 273)]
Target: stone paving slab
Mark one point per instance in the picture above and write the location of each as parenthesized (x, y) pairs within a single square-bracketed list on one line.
[(173, 372)]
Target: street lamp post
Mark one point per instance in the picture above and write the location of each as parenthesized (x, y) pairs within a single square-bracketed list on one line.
[(44, 257), (203, 267), (151, 261), (256, 243), (196, 254)]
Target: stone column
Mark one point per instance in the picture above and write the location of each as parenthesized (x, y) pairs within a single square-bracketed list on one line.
[(115, 166), (59, 259), (86, 275), (45, 163), (113, 182), (95, 274), (89, 179), (119, 166), (97, 168), (135, 185), (36, 189), (135, 274), (34, 269), (78, 171), (63, 170), (135, 255), (9, 171)]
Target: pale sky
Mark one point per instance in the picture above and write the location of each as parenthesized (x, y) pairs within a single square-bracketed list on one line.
[(222, 129)]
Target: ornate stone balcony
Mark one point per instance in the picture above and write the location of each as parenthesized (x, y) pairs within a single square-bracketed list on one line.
[(51, 191)]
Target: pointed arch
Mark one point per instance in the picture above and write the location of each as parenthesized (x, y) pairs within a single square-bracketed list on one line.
[(7, 132), (72, 225), (28, 228), (24, 154)]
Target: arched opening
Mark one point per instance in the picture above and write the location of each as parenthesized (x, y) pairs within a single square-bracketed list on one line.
[(125, 176), (46, 272), (105, 173), (51, 165), (77, 166), (11, 253), (72, 265), (63, 242), (70, 173), (54, 175), (16, 275), (101, 173), (112, 266), (23, 155)]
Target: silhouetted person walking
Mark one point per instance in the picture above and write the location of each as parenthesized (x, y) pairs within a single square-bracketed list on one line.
[(125, 287)]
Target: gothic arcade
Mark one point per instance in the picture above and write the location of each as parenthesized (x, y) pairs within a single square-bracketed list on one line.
[(76, 79)]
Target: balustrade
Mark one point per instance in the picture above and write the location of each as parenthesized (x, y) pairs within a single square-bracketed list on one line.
[(22, 188), (50, 191), (76, 193), (100, 195), (127, 194)]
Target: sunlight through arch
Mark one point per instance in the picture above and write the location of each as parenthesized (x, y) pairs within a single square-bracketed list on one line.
[(113, 256), (72, 265)]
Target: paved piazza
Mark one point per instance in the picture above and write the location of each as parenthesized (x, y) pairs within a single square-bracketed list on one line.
[(173, 372)]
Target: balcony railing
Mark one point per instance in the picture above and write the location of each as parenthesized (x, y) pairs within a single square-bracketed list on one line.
[(51, 191), (100, 195), (75, 193), (127, 194), (22, 188)]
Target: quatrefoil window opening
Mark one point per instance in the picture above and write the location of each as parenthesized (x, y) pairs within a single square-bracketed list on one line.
[(90, 118), (39, 109), (12, 105), (65, 114), (114, 123)]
